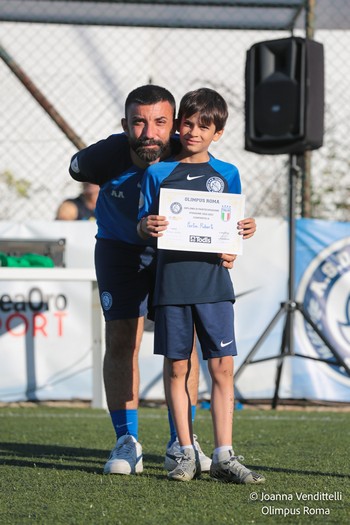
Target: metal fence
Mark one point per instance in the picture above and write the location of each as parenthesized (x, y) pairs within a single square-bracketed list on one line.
[(83, 74)]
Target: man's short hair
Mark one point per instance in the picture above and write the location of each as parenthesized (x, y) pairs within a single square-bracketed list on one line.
[(210, 105), (148, 95)]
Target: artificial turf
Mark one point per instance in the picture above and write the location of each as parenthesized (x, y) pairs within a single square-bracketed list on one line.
[(52, 461)]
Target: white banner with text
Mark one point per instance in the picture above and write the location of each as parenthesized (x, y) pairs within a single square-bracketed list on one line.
[(45, 327)]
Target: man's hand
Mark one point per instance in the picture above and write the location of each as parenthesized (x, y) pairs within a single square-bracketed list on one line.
[(152, 226), (246, 227), (227, 260)]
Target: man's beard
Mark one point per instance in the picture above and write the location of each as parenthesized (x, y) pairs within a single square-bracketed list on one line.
[(146, 154)]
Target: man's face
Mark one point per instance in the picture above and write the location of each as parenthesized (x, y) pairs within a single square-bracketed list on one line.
[(149, 129)]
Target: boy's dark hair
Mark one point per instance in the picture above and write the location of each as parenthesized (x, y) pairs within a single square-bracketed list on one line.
[(148, 95), (208, 103)]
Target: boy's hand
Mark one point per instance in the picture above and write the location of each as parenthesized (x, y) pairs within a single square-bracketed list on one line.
[(152, 226), (246, 227)]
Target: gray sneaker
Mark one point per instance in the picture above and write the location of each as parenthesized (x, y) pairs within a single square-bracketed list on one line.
[(203, 459), (188, 466), (227, 468), (172, 451)]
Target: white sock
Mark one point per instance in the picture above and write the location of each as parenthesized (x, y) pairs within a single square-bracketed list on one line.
[(187, 446), (224, 448)]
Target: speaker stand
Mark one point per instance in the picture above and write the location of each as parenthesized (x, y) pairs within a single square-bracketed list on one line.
[(289, 308)]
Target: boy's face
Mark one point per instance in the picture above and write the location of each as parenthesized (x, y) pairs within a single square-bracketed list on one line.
[(196, 136), (149, 129)]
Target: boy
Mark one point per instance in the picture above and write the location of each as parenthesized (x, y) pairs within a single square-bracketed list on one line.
[(193, 290)]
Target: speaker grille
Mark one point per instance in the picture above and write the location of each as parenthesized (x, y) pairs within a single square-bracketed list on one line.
[(276, 103), (284, 96)]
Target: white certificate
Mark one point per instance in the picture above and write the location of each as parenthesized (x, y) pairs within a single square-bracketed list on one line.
[(201, 221)]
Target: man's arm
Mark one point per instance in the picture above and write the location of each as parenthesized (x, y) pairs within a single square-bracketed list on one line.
[(101, 161)]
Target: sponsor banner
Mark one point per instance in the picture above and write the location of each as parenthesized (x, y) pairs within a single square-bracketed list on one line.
[(45, 341), (323, 288), (45, 327)]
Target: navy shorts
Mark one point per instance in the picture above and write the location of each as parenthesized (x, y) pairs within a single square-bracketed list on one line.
[(214, 324), (125, 276)]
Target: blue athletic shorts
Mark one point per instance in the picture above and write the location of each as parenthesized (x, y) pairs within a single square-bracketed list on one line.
[(125, 276), (214, 324)]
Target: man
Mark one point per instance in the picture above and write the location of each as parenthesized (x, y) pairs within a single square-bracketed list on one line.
[(125, 263), (80, 208)]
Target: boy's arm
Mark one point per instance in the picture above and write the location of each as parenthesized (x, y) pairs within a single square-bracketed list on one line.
[(101, 161)]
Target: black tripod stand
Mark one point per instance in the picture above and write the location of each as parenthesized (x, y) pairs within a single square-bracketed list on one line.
[(289, 307)]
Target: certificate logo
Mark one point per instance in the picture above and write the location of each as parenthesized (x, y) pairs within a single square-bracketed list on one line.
[(324, 291), (225, 213), (175, 208), (215, 184), (200, 239)]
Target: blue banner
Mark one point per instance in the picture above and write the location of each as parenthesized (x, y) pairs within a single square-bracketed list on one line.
[(323, 289)]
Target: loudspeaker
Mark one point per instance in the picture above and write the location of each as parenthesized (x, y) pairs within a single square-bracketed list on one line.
[(284, 106)]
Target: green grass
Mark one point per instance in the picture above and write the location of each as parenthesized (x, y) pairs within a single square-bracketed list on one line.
[(52, 461)]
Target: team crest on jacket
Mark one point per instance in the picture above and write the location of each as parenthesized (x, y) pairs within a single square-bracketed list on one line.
[(215, 184), (324, 291)]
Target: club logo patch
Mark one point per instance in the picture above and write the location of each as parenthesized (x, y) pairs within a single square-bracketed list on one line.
[(106, 300), (75, 166), (324, 291), (215, 184)]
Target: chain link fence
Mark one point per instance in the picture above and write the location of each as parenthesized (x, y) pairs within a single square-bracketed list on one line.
[(83, 73)]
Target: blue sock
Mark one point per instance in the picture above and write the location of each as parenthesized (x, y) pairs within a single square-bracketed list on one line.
[(125, 422), (173, 435), (172, 428), (193, 412)]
